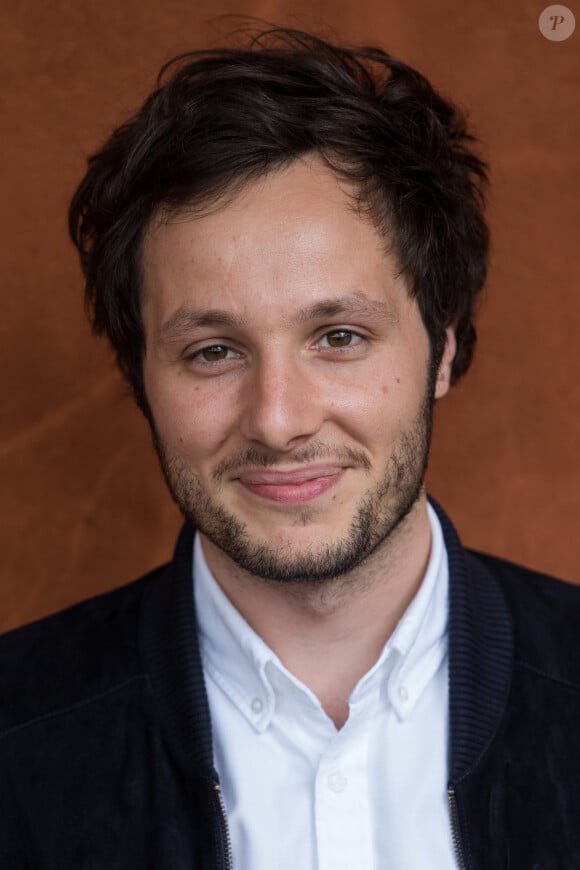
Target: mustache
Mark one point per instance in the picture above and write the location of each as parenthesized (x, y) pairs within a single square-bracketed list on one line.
[(252, 458)]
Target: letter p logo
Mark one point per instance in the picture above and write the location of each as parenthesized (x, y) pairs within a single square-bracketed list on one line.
[(557, 23)]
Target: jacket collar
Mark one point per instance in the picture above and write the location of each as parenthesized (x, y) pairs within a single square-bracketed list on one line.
[(172, 658), (480, 657), (480, 654)]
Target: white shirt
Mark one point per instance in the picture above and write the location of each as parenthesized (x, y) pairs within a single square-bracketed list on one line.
[(302, 795)]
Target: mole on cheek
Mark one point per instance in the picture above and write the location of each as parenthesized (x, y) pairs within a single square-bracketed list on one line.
[(385, 387)]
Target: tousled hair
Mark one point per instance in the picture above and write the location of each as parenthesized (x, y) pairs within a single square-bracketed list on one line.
[(223, 117)]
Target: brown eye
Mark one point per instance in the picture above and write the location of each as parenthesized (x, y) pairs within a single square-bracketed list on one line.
[(339, 338), (214, 353)]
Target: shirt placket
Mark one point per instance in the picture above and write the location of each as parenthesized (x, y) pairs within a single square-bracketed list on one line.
[(342, 805)]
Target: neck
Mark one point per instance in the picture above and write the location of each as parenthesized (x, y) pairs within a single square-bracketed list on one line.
[(330, 634)]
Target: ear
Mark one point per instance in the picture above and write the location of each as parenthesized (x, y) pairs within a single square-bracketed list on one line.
[(444, 375)]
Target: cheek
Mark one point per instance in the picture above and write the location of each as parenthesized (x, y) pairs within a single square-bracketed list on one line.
[(189, 419), (384, 402), (385, 382)]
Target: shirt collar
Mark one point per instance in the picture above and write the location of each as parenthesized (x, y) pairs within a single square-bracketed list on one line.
[(232, 653), (251, 674), (420, 638)]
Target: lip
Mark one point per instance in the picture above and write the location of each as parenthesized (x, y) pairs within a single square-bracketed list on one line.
[(295, 475), (296, 486)]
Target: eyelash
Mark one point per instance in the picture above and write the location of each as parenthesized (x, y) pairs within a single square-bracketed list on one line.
[(195, 357)]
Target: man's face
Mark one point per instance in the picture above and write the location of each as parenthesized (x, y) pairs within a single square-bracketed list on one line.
[(287, 372)]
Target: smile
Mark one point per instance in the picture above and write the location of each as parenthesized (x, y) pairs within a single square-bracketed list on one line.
[(292, 487)]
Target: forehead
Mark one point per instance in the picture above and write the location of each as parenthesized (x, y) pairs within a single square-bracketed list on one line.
[(287, 239)]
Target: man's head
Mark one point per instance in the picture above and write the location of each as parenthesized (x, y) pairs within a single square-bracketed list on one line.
[(284, 248), (280, 339)]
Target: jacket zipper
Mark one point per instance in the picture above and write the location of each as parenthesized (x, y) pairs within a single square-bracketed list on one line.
[(455, 827), (226, 841)]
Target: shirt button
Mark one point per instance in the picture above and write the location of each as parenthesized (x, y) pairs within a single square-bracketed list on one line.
[(257, 705), (403, 693), (337, 782)]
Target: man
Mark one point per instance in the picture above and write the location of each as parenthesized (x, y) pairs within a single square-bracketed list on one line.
[(284, 247)]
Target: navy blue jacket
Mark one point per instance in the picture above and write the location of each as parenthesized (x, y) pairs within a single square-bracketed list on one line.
[(105, 736)]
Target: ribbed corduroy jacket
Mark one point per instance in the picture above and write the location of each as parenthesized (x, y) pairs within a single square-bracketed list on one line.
[(105, 734)]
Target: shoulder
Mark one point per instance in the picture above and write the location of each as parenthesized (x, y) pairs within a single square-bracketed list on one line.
[(72, 657), (545, 613)]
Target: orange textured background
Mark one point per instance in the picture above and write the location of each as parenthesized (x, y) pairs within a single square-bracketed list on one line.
[(83, 504)]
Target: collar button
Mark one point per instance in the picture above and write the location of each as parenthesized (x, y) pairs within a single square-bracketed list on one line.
[(403, 693), (257, 705)]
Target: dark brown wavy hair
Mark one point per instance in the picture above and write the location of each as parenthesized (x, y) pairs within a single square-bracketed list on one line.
[(220, 118)]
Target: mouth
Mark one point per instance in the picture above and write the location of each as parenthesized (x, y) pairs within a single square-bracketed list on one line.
[(295, 486)]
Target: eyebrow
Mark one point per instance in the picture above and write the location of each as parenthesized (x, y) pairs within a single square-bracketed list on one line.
[(185, 320), (356, 304)]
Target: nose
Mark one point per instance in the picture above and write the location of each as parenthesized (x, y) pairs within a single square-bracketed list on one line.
[(282, 405)]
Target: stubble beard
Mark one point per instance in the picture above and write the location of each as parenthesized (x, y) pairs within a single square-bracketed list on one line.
[(378, 516)]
